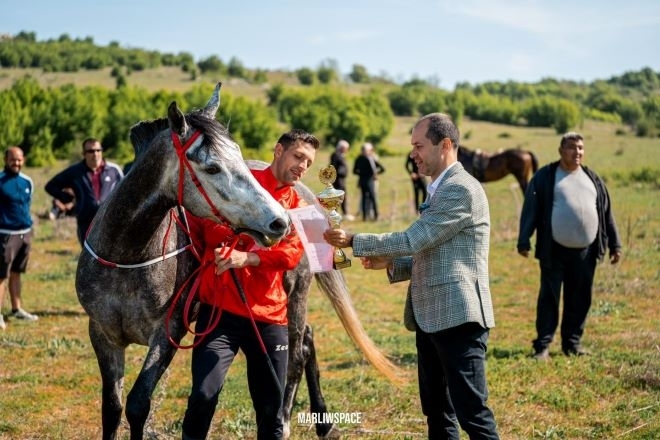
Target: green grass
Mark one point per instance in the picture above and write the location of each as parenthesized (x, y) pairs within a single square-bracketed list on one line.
[(50, 386)]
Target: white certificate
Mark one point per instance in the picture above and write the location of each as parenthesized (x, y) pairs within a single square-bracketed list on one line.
[(310, 223)]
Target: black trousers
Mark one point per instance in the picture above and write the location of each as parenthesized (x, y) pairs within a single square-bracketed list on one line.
[(341, 185), (575, 269), (452, 382), (368, 202), (211, 360), (419, 191)]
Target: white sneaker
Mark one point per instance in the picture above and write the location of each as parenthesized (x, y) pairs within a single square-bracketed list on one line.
[(22, 314), (2, 323)]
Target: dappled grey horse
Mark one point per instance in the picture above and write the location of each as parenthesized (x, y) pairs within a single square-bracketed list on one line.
[(133, 276)]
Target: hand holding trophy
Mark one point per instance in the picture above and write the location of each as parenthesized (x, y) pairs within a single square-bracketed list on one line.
[(330, 199)]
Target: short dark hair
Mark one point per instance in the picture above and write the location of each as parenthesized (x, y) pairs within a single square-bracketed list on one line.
[(90, 141), (291, 137), (570, 136), (441, 126)]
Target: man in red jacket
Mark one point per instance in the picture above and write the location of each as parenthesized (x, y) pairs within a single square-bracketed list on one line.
[(259, 271)]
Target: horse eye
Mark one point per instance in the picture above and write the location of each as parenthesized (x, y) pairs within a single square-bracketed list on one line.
[(212, 169)]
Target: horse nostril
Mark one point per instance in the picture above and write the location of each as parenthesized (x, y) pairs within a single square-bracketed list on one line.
[(279, 226)]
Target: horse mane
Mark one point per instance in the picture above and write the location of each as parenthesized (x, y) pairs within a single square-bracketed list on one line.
[(144, 132)]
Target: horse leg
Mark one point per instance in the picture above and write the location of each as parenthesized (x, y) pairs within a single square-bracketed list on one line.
[(313, 377), (138, 402), (295, 368), (111, 364), (297, 283)]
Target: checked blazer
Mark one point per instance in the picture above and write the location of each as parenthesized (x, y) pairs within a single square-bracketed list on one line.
[(444, 254)]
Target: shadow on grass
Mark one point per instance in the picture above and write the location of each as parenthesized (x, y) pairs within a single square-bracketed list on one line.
[(62, 252), (508, 353), (401, 360), (56, 313)]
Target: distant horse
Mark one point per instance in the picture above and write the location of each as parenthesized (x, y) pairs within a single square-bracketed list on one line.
[(487, 167), (138, 257)]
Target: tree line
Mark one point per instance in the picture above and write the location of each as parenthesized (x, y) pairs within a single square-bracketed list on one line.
[(49, 123)]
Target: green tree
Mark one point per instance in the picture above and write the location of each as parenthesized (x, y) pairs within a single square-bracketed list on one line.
[(75, 114), (235, 68), (359, 74), (306, 76), (128, 105), (567, 116), (252, 124), (41, 153), (433, 101), (328, 72), (380, 119), (212, 64), (13, 118)]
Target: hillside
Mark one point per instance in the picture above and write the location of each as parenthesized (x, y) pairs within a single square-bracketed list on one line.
[(55, 93)]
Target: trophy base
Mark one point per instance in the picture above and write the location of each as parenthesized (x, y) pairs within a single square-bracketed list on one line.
[(341, 264), (340, 260)]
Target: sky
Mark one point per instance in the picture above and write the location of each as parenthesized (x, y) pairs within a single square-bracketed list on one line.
[(445, 42)]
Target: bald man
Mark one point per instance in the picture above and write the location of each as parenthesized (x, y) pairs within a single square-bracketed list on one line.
[(15, 230)]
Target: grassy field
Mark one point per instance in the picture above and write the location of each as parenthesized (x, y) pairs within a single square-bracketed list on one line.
[(50, 386)]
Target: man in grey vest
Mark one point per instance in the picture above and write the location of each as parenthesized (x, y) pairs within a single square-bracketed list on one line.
[(569, 207)]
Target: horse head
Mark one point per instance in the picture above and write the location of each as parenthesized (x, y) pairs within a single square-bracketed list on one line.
[(209, 177)]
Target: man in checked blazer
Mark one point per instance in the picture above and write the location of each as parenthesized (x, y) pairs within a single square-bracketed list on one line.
[(444, 254)]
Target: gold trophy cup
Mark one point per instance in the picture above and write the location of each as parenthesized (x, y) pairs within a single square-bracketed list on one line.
[(330, 199)]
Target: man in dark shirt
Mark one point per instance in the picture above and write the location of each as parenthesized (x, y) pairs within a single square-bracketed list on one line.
[(568, 206), (91, 180)]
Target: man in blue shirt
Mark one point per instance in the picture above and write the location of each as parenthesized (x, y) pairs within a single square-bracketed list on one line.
[(15, 230)]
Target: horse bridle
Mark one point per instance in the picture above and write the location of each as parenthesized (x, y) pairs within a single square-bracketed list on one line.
[(183, 161)]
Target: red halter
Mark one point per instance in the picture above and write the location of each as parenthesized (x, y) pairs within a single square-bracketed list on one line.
[(183, 161), (215, 317)]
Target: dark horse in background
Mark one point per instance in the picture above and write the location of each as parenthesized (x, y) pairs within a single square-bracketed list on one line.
[(488, 167), (133, 276)]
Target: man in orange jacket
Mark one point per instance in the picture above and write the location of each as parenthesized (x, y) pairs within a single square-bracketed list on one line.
[(259, 271)]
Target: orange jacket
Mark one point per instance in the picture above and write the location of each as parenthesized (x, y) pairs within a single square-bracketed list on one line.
[(262, 284)]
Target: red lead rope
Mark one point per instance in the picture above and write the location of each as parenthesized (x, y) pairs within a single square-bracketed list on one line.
[(196, 275), (215, 316)]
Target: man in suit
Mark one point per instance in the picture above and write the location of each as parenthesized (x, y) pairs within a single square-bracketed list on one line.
[(367, 168), (444, 254)]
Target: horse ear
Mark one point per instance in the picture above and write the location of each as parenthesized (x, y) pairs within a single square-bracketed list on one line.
[(176, 119), (214, 102)]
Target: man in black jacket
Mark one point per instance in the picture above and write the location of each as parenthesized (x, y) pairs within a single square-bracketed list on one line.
[(569, 207), (91, 181), (367, 168)]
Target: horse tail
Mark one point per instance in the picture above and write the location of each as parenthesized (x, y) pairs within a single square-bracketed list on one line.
[(334, 286), (535, 161)]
